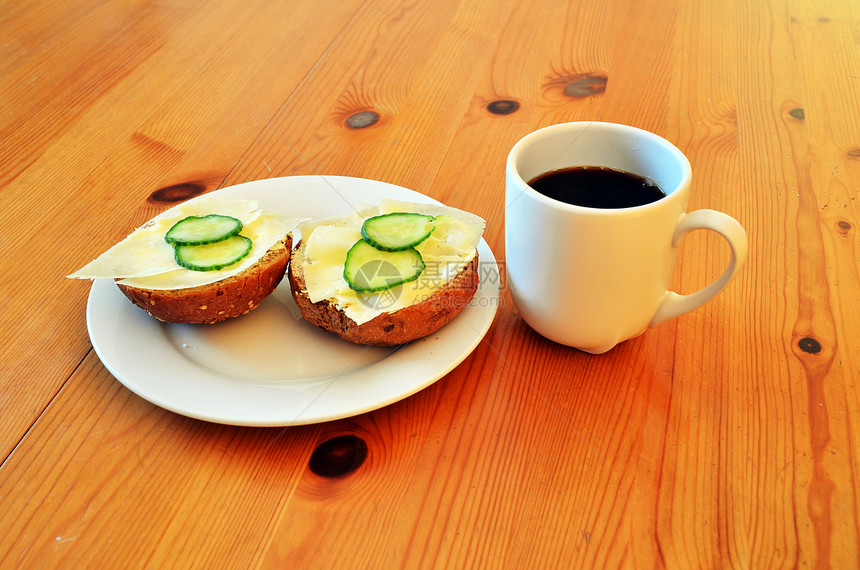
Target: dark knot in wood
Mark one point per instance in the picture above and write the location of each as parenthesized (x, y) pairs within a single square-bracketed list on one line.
[(338, 456), (809, 345), (586, 86), (798, 113), (177, 192), (503, 107), (362, 119)]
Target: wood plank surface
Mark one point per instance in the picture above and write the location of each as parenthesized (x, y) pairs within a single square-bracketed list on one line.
[(728, 438)]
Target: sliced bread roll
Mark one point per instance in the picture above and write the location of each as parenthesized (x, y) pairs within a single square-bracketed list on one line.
[(146, 267), (214, 302), (388, 328), (324, 290)]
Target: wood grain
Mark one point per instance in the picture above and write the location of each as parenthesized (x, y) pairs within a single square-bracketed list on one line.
[(171, 108), (727, 438)]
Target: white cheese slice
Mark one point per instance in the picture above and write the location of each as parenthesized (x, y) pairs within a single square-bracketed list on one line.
[(144, 259), (265, 231), (449, 248)]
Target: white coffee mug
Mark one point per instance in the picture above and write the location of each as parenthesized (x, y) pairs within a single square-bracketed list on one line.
[(593, 277)]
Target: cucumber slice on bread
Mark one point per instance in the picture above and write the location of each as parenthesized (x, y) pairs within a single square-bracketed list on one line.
[(368, 269), (397, 231), (201, 230), (213, 256)]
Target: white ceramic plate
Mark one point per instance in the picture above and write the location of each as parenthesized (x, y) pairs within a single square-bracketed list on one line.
[(270, 367)]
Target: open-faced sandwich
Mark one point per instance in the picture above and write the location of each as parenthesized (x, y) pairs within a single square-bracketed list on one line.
[(389, 274), (202, 261)]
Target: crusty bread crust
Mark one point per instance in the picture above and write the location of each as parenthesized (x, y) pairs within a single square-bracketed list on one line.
[(217, 301), (388, 329)]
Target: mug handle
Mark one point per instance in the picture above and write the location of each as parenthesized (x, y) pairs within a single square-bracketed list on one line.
[(674, 305)]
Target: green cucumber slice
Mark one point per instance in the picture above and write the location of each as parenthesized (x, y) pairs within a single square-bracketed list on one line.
[(212, 256), (368, 270), (397, 231), (200, 230)]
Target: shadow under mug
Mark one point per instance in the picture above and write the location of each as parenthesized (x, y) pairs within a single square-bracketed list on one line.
[(590, 277)]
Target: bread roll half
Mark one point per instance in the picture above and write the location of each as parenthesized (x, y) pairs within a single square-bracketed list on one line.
[(215, 302), (398, 327)]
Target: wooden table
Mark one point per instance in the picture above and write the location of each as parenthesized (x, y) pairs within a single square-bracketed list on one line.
[(727, 438)]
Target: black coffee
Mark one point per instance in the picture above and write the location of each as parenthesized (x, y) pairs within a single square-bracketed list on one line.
[(597, 187)]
